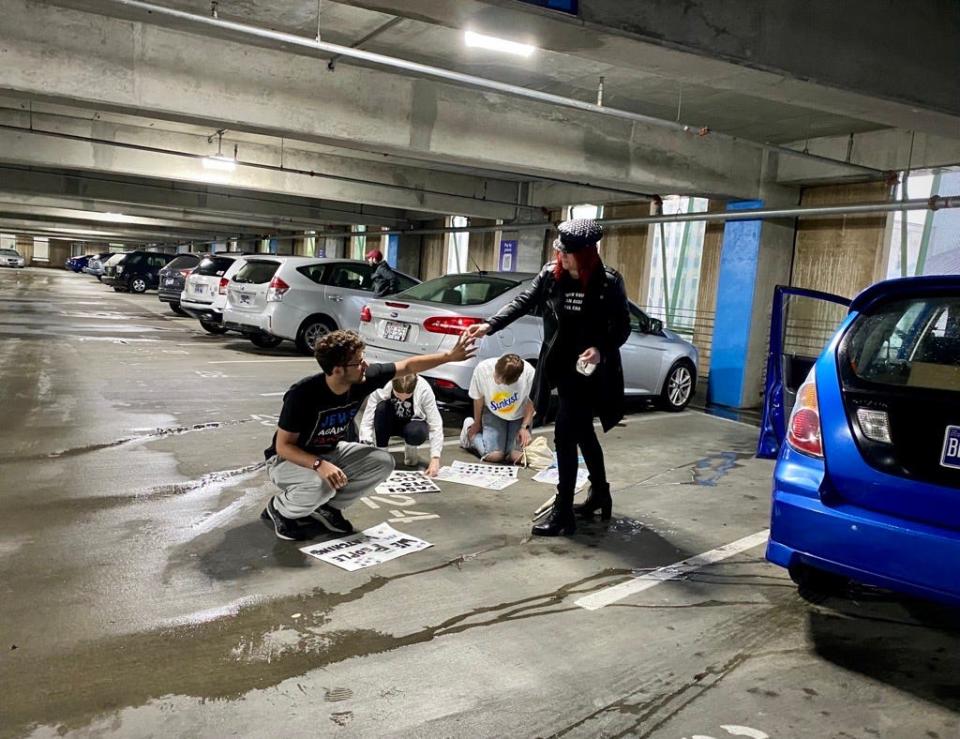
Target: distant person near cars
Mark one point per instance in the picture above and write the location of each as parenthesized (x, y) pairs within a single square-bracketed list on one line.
[(317, 471), (405, 407), (502, 410), (586, 319), (384, 278)]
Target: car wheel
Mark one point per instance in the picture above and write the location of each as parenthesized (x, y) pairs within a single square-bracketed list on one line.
[(213, 328), (815, 586), (678, 387), (175, 307), (311, 331), (265, 341), (137, 285)]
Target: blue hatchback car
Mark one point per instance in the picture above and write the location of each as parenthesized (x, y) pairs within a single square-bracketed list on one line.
[(867, 481)]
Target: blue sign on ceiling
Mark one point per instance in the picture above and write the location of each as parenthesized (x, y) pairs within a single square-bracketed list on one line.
[(564, 6)]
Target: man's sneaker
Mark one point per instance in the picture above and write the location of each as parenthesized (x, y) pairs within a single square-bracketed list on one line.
[(332, 519), (464, 436), (288, 529), (410, 456)]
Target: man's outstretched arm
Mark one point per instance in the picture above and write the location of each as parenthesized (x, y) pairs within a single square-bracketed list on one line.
[(464, 349)]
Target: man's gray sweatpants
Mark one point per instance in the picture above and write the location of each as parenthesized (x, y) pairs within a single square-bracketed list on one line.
[(302, 491)]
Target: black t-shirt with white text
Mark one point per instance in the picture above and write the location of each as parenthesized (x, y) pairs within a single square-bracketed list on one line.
[(320, 418)]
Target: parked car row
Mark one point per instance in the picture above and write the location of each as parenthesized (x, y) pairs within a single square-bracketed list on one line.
[(270, 299)]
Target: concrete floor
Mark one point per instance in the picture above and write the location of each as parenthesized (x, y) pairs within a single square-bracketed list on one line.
[(141, 596)]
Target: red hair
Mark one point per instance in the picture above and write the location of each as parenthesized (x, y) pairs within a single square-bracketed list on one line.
[(587, 259)]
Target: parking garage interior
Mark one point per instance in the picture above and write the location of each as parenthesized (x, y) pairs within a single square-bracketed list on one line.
[(726, 147)]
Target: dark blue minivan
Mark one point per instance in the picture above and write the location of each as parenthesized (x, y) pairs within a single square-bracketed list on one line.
[(867, 439)]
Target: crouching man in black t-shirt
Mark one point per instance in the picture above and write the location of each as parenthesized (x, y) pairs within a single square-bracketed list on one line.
[(319, 473)]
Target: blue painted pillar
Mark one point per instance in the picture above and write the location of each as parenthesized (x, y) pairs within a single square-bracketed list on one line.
[(736, 286), (393, 247)]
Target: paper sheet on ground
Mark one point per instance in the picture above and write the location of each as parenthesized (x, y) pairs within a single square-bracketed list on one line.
[(468, 475), (479, 468), (551, 476), (405, 483), (367, 548)]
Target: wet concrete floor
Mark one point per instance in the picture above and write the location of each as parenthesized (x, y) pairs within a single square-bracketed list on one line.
[(140, 595)]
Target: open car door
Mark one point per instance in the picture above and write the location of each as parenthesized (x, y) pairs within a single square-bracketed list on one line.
[(801, 325)]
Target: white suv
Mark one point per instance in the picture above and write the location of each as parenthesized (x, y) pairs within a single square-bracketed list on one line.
[(205, 289), (272, 298)]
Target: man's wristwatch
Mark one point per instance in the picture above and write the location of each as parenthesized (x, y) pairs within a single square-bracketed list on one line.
[(316, 464), (525, 427)]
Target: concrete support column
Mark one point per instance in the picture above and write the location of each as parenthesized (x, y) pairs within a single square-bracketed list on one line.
[(755, 257)]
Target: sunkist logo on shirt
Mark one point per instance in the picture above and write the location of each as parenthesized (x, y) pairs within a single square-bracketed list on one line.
[(503, 401)]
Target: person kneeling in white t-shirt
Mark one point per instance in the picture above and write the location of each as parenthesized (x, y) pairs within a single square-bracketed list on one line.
[(405, 407), (502, 409)]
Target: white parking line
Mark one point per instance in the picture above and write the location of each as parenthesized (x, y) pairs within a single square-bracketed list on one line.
[(605, 597)]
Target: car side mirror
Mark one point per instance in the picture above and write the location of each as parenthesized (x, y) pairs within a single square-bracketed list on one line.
[(655, 326)]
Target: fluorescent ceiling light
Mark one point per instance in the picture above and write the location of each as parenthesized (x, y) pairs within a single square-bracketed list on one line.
[(218, 161), (497, 44)]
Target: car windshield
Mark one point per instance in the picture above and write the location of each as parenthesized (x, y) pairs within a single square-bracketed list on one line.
[(213, 266), (257, 272), (9, 252), (913, 343), (462, 289)]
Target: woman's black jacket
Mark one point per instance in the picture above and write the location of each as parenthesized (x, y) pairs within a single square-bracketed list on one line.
[(606, 308)]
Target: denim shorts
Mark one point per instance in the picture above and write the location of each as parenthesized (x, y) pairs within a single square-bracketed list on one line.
[(497, 435)]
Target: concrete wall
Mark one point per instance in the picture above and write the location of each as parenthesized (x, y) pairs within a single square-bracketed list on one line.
[(433, 252), (841, 255), (625, 248), (707, 292)]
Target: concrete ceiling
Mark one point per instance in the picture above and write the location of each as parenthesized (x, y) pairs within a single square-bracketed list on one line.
[(98, 113)]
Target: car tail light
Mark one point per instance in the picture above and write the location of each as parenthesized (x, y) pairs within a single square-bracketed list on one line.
[(397, 305), (365, 315), (803, 431), (445, 384), (874, 424), (450, 324), (222, 290), (276, 290)]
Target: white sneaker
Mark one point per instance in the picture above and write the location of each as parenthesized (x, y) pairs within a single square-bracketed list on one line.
[(411, 456), (464, 437)]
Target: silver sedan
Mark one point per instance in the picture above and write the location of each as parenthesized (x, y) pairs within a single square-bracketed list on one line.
[(428, 317)]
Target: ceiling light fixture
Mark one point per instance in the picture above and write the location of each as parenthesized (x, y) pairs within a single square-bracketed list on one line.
[(218, 161), (493, 43)]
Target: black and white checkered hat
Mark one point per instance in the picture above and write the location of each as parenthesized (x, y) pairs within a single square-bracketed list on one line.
[(577, 233)]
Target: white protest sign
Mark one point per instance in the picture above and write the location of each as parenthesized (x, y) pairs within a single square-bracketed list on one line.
[(551, 476), (367, 548), (405, 483)]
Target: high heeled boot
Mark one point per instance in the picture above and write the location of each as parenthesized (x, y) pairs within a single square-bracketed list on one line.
[(598, 499), (560, 521)]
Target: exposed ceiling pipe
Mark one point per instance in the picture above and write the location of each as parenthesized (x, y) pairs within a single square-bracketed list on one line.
[(293, 42), (936, 202)]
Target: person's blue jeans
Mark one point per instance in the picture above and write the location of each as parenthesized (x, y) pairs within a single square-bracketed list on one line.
[(497, 435)]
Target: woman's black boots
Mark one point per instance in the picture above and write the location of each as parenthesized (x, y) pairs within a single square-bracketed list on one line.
[(598, 499), (560, 520)]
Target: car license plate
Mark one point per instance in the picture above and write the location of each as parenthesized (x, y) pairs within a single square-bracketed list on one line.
[(951, 448), (396, 331), (170, 281), (198, 289), (244, 299)]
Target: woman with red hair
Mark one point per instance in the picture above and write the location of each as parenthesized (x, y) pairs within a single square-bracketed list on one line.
[(586, 320)]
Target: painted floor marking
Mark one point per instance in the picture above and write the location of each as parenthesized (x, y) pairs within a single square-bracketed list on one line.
[(605, 597)]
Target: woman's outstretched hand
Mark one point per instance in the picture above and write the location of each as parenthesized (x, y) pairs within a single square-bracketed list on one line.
[(478, 330)]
